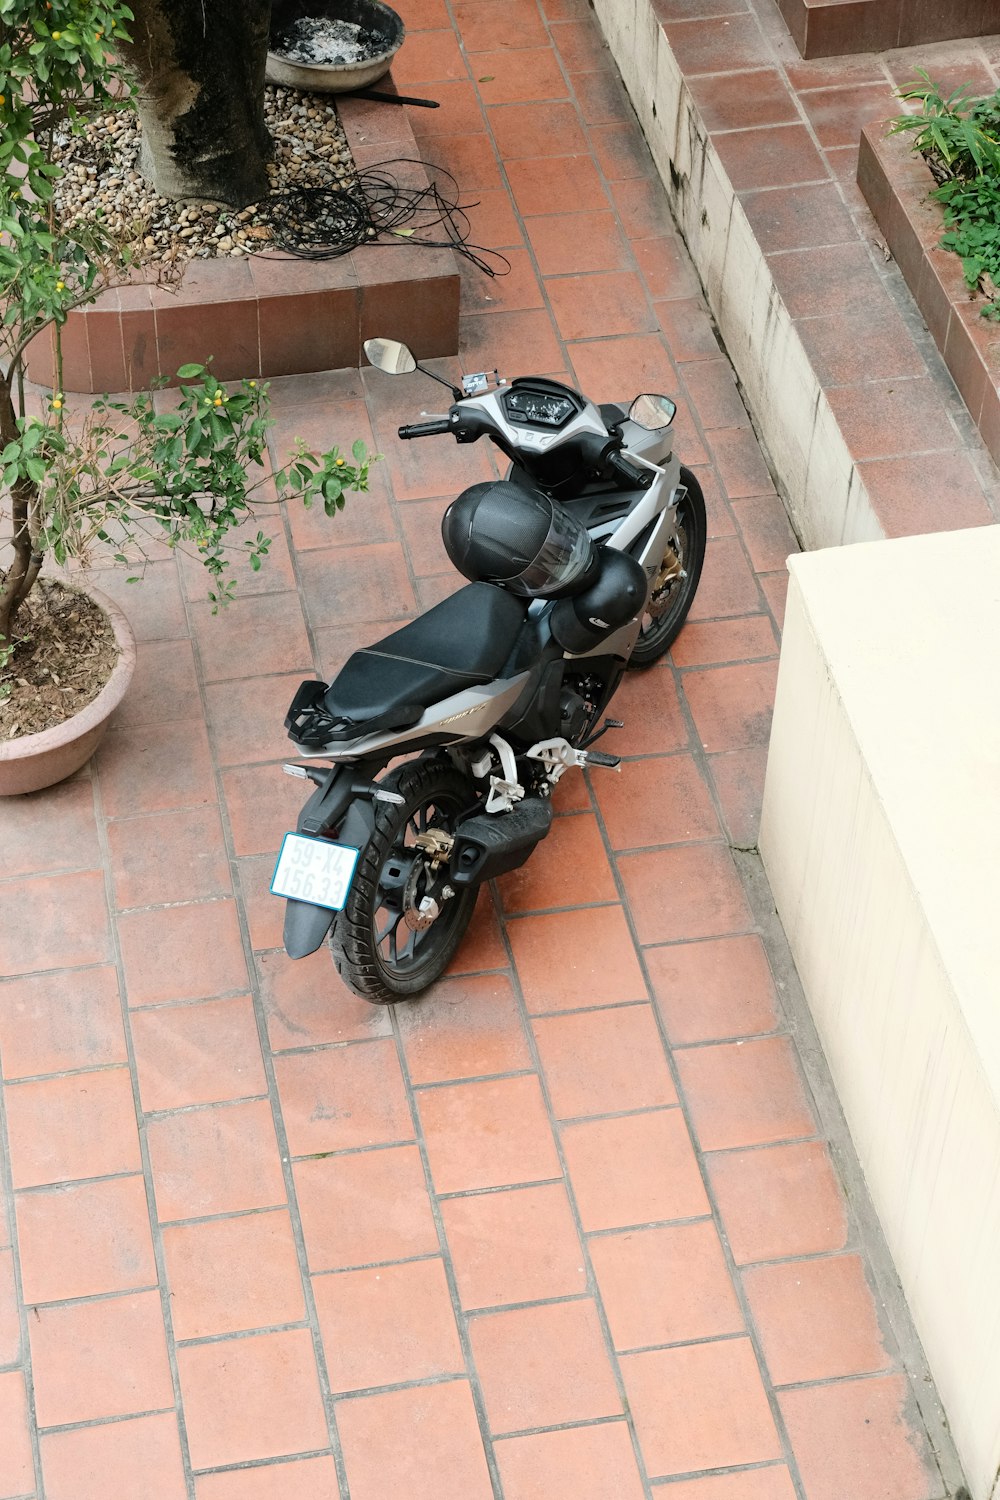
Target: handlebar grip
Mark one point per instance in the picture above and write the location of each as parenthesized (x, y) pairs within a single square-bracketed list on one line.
[(638, 478), (426, 429)]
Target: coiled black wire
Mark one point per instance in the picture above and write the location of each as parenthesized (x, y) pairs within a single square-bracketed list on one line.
[(325, 221)]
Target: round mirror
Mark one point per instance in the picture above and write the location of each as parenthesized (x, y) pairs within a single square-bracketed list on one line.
[(387, 355), (652, 412)]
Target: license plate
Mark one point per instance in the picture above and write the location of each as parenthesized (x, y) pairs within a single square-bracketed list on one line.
[(314, 870)]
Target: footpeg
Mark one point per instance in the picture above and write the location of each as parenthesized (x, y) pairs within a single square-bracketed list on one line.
[(598, 758), (608, 724)]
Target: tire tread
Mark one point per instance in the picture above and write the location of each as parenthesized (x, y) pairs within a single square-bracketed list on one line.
[(351, 941)]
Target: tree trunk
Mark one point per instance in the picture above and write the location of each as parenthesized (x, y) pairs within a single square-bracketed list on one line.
[(19, 579), (200, 70)]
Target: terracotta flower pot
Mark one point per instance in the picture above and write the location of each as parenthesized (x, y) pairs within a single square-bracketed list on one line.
[(39, 760)]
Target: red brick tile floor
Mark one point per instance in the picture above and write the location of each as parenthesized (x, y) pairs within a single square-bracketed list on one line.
[(575, 1224)]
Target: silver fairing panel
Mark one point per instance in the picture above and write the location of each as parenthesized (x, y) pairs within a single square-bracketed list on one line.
[(618, 644), (658, 504), (658, 501), (537, 440), (469, 715)]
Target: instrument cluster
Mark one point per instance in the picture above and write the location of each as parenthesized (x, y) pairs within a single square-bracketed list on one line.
[(536, 408)]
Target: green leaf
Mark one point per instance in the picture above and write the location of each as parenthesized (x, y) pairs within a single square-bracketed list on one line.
[(190, 372)]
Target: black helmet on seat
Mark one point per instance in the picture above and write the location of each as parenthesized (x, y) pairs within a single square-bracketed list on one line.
[(497, 532)]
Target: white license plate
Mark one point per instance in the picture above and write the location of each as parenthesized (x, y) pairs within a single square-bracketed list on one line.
[(314, 870)]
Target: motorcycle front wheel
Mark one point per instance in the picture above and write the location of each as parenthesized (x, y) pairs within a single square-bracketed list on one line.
[(403, 921), (676, 584)]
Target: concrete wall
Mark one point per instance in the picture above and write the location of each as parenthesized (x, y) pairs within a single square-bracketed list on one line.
[(880, 836), (826, 500)]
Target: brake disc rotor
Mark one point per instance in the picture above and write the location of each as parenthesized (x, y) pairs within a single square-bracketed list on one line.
[(420, 910)]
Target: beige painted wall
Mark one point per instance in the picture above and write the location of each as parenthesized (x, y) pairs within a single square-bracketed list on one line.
[(881, 839)]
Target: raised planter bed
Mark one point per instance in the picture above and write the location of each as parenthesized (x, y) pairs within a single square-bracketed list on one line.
[(831, 28), (896, 184), (264, 315)]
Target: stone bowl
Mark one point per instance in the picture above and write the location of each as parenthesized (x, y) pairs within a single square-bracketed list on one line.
[(379, 21)]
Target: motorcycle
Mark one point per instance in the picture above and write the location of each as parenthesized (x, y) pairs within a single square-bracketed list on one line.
[(582, 561)]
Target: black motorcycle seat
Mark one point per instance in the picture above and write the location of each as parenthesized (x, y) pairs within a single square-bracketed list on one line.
[(460, 643)]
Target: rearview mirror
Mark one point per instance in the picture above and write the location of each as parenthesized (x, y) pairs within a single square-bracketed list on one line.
[(651, 412), (387, 355)]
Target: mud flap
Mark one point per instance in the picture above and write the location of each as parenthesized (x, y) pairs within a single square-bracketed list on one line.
[(305, 927)]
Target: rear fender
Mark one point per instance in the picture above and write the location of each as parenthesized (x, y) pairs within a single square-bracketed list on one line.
[(306, 926)]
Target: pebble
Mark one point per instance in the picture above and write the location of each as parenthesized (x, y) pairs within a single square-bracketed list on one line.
[(310, 148)]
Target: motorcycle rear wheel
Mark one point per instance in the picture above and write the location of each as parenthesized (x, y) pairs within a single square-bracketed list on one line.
[(686, 552), (378, 953)]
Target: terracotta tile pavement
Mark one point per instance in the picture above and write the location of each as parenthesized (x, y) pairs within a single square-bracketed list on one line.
[(569, 1226)]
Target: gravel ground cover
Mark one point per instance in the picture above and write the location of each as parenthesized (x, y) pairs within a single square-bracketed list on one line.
[(104, 185)]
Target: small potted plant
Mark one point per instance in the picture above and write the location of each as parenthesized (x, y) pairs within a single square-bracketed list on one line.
[(112, 474)]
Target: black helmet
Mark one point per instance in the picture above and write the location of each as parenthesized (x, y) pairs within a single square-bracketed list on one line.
[(497, 532)]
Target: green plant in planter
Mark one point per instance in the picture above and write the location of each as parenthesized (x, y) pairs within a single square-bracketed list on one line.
[(116, 471), (959, 137)]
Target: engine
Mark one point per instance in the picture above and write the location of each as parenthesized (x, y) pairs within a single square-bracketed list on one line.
[(576, 707)]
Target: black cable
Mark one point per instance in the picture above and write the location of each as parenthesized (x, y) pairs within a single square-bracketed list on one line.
[(326, 221)]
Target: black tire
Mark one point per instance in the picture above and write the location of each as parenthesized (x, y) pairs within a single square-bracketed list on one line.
[(371, 956), (688, 546)]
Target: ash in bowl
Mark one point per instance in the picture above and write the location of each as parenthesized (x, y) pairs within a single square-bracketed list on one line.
[(320, 40)]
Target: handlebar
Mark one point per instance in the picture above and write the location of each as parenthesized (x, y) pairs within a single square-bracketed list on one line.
[(638, 478), (467, 422), (426, 429)]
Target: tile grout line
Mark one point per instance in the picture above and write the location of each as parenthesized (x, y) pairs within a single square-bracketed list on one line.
[(593, 1289), (461, 1324), (273, 1096), (892, 1311), (585, 128), (23, 1363), (146, 1163), (249, 1465), (750, 1331)]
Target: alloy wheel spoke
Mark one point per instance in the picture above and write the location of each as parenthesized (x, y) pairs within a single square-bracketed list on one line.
[(407, 949), (389, 928)]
